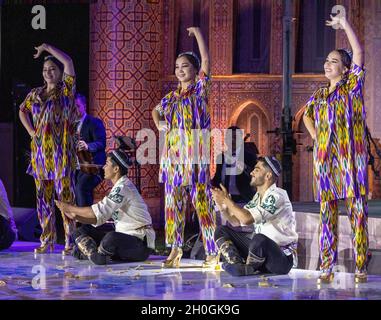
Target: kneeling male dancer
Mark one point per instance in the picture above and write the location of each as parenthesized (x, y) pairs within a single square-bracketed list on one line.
[(133, 238), (271, 248)]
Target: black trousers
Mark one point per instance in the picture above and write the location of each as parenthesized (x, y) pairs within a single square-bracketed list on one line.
[(84, 187), (117, 245), (7, 236), (275, 260)]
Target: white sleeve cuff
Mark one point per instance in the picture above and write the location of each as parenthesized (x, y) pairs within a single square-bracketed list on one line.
[(98, 215)]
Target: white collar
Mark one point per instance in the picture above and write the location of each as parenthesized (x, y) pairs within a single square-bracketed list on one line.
[(121, 180), (83, 117), (268, 190)]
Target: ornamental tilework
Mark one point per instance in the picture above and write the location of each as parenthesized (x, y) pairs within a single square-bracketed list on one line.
[(125, 66)]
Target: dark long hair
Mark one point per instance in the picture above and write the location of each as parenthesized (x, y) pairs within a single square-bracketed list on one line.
[(53, 59), (192, 58), (346, 57)]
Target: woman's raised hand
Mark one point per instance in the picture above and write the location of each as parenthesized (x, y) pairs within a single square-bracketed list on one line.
[(337, 20), (40, 49), (193, 30)]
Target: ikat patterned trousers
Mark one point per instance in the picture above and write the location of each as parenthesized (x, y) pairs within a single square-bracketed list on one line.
[(357, 210), (175, 207), (46, 190)]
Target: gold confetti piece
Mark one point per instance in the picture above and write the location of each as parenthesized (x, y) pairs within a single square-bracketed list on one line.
[(2, 283), (148, 262), (227, 285), (109, 269), (136, 276), (121, 271), (264, 284), (75, 276), (69, 275), (218, 267)]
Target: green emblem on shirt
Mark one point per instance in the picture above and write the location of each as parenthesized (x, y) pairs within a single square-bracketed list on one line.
[(269, 204), (115, 216), (115, 196), (251, 204)]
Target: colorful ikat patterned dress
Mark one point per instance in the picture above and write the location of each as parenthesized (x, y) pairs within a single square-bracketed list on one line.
[(184, 165), (340, 164), (53, 157)]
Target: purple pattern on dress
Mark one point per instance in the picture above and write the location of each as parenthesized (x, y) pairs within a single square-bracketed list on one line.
[(341, 138)]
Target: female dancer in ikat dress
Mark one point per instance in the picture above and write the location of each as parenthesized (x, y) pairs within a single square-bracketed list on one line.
[(183, 115), (335, 119)]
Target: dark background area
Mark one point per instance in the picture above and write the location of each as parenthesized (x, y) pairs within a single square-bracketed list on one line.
[(67, 28)]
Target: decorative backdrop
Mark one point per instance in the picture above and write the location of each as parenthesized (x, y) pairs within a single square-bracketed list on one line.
[(125, 71)]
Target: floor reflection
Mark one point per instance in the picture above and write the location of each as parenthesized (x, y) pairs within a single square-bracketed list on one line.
[(24, 275)]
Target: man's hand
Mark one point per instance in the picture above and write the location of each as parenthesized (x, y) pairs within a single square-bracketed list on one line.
[(82, 145), (65, 209), (226, 193), (220, 196)]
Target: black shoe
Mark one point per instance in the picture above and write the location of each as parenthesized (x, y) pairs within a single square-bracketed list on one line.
[(86, 245), (76, 253), (228, 251), (239, 269), (99, 259)]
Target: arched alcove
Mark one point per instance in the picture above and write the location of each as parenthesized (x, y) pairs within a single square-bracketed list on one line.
[(253, 119)]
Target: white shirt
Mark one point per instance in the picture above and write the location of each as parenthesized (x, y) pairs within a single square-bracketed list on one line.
[(274, 217), (5, 208), (80, 123), (127, 208)]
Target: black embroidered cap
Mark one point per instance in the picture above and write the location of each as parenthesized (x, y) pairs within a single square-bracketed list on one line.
[(121, 158), (274, 164)]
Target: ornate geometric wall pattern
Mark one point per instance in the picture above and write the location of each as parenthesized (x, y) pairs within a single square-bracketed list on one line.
[(169, 37), (125, 71)]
